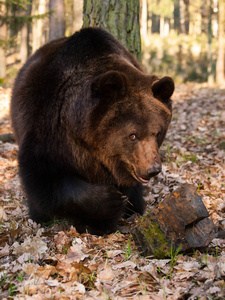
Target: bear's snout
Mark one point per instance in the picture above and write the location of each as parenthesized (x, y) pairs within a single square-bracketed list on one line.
[(145, 175), (146, 162), (154, 170)]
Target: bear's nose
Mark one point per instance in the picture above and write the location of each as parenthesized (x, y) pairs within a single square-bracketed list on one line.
[(154, 170)]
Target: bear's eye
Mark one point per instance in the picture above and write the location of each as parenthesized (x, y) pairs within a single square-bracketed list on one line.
[(133, 137)]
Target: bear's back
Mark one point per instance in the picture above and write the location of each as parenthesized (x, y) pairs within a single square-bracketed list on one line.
[(41, 85), (93, 43)]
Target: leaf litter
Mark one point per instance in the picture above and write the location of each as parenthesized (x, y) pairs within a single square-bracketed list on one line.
[(56, 262)]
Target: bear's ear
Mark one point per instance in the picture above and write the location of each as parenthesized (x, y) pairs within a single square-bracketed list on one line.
[(111, 84), (163, 89)]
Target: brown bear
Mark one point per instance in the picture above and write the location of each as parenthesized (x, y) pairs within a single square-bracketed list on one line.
[(89, 123)]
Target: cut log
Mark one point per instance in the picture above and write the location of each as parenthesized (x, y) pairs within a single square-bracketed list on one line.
[(181, 220)]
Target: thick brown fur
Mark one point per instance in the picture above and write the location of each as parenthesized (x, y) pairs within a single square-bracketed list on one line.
[(89, 123)]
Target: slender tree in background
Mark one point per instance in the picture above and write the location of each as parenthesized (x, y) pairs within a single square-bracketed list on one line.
[(38, 8), (220, 79), (182, 16), (77, 14), (3, 33), (57, 19), (120, 18), (24, 44), (74, 21), (210, 62), (163, 9), (144, 18), (195, 7)]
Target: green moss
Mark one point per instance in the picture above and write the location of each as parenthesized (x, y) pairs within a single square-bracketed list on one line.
[(154, 237)]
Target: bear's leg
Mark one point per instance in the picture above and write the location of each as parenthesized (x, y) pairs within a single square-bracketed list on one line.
[(135, 202), (53, 191), (96, 208), (37, 215)]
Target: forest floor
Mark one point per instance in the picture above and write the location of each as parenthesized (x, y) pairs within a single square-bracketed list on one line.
[(56, 262)]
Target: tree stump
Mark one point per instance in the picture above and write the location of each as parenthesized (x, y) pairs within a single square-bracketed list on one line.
[(181, 221)]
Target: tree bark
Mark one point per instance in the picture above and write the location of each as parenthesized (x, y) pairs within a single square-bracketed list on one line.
[(144, 19), (182, 16), (73, 18), (77, 14), (23, 44), (120, 18), (187, 16), (162, 24), (220, 79), (57, 19), (38, 8), (210, 62), (3, 34)]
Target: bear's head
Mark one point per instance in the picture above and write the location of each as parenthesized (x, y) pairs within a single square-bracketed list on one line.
[(129, 122)]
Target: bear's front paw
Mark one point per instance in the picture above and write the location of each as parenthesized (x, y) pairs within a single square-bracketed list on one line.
[(108, 204), (114, 205)]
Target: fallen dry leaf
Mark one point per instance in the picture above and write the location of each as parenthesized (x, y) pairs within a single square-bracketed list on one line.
[(4, 251), (3, 215), (106, 274)]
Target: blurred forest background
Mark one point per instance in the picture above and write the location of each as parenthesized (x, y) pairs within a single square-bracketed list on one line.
[(180, 38)]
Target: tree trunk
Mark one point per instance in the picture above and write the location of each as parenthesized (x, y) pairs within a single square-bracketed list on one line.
[(144, 19), (162, 23), (182, 16), (38, 8), (73, 18), (23, 44), (3, 35), (210, 62), (120, 18), (176, 16), (2, 64), (195, 19), (220, 57), (77, 14), (57, 19), (186, 17)]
